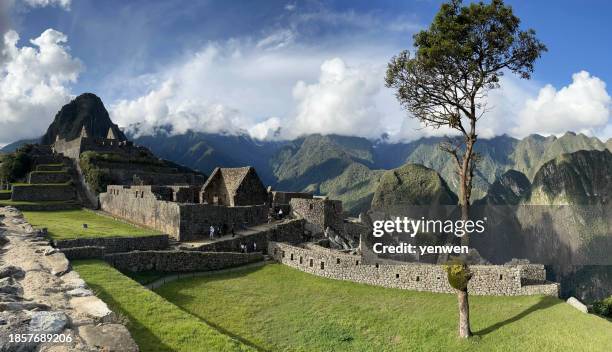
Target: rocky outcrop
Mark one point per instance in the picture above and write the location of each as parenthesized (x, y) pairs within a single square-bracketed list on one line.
[(509, 189), (411, 185), (580, 178), (40, 294)]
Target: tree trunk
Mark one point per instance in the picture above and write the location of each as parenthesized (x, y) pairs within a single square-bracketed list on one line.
[(464, 314)]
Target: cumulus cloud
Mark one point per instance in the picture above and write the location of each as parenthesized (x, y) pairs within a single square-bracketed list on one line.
[(342, 101), (582, 106), (34, 83)]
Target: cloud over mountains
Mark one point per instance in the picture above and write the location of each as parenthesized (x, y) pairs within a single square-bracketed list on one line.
[(277, 83)]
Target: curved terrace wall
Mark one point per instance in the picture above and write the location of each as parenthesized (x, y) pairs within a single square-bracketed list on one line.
[(496, 280)]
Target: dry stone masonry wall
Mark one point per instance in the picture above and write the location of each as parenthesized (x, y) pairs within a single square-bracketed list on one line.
[(154, 207), (497, 280), (179, 261), (38, 193)]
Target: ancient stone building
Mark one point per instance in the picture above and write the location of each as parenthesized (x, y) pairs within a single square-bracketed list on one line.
[(234, 187), (170, 209), (319, 213), (111, 144)]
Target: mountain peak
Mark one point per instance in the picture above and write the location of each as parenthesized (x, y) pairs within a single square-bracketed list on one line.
[(84, 112)]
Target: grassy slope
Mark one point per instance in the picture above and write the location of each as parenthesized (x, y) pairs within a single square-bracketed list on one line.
[(279, 308), (155, 324), (67, 224)]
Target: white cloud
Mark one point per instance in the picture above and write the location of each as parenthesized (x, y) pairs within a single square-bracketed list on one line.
[(65, 4), (278, 39), (341, 102), (520, 108), (267, 129), (34, 83), (582, 106)]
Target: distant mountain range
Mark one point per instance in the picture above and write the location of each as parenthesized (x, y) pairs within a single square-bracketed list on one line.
[(349, 168)]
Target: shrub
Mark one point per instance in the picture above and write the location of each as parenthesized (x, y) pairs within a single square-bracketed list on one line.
[(15, 166), (603, 307), (95, 177)]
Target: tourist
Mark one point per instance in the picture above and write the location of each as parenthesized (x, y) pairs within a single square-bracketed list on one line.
[(212, 232), (254, 247), (280, 214)]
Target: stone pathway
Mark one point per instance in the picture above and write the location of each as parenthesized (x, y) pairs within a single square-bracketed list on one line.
[(40, 294)]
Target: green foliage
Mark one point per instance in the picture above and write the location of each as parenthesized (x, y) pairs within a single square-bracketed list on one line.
[(603, 307), (68, 224), (278, 308), (15, 166), (465, 50), (458, 274), (155, 324)]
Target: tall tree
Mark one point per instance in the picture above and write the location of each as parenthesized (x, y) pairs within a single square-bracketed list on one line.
[(458, 59)]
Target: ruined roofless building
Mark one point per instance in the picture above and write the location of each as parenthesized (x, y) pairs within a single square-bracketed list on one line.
[(234, 187)]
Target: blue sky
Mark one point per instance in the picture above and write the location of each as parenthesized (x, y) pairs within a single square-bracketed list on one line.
[(302, 66)]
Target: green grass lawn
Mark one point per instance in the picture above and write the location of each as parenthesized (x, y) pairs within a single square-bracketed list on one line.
[(155, 324), (278, 308), (5, 191), (68, 224)]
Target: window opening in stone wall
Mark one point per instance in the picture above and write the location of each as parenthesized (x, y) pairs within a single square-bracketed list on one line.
[(357, 262), (337, 260), (397, 276), (311, 206), (501, 277), (311, 263), (322, 265), (291, 256), (376, 265), (300, 260), (418, 279)]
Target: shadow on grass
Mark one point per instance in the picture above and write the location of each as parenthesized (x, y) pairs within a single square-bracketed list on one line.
[(144, 337), (543, 303), (215, 276)]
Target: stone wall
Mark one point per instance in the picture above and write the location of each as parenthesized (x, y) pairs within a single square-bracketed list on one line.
[(195, 219), (87, 252), (487, 280), (5, 195), (47, 177), (278, 197), (117, 244), (51, 167), (36, 193), (179, 261), (290, 232), (153, 206), (319, 213), (139, 205)]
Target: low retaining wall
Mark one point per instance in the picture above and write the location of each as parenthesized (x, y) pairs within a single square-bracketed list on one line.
[(5, 195), (50, 167), (495, 280), (290, 232), (48, 177), (179, 261), (117, 244), (88, 252), (38, 193)]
